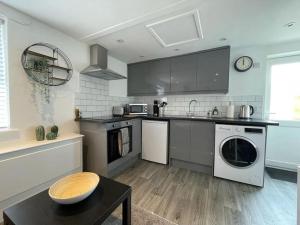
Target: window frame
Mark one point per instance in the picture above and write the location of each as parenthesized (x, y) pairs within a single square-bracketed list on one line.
[(275, 61), (5, 49)]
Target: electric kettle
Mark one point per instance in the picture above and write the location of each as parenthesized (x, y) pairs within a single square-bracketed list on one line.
[(246, 111)]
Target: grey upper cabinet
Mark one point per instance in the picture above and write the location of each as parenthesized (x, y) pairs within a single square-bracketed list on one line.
[(184, 73), (213, 70), (180, 139), (159, 76), (137, 84), (136, 136), (202, 142), (201, 72), (192, 141)]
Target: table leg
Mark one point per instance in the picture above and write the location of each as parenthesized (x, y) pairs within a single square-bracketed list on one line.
[(126, 208)]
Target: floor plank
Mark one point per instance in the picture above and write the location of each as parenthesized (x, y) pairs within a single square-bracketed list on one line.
[(189, 198)]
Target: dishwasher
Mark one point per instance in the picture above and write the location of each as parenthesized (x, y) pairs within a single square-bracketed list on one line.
[(155, 141)]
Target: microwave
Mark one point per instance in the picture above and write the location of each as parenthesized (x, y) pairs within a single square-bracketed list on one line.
[(137, 109)]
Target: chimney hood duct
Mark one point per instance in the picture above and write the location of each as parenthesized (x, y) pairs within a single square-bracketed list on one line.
[(98, 65)]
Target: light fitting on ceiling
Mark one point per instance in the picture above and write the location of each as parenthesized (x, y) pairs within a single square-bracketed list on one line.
[(176, 49), (223, 39), (120, 41), (290, 24)]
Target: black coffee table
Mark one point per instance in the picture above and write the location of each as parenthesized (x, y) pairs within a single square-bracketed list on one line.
[(42, 210)]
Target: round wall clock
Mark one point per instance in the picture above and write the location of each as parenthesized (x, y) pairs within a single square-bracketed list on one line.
[(243, 63)]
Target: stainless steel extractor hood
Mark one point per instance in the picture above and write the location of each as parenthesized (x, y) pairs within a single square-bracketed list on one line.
[(98, 65)]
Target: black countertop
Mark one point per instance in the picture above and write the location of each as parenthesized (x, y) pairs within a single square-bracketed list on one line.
[(218, 120)]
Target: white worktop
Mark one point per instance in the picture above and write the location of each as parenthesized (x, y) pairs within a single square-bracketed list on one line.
[(6, 147)]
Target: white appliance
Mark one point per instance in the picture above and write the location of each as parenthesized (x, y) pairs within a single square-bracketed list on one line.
[(240, 153), (155, 141)]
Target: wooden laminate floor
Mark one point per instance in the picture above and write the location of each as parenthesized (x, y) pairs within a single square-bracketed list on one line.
[(186, 197)]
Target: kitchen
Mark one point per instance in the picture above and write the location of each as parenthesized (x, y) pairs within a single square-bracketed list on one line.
[(189, 110)]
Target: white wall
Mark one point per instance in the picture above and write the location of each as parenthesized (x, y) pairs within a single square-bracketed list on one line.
[(26, 111), (117, 87), (251, 82)]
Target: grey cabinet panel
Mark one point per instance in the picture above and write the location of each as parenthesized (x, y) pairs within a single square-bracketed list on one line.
[(136, 136), (180, 139), (202, 142), (205, 71), (136, 79), (184, 73), (213, 70), (192, 141), (158, 77)]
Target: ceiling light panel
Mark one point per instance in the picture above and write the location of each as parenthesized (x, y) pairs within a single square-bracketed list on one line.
[(176, 30)]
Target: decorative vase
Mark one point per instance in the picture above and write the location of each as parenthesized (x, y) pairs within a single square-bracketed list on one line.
[(50, 136), (54, 129), (40, 133)]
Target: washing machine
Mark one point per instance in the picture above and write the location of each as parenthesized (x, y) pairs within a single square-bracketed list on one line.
[(240, 153)]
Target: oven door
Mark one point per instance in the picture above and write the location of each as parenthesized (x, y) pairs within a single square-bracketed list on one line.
[(239, 152), (115, 144)]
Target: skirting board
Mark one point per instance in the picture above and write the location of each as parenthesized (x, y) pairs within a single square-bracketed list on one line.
[(281, 165)]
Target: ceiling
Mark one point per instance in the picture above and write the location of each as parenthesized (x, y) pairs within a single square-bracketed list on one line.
[(123, 26)]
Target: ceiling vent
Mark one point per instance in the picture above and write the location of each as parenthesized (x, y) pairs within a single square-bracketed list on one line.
[(178, 29)]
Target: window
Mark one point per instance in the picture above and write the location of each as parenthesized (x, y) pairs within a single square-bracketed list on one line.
[(285, 88), (3, 80)]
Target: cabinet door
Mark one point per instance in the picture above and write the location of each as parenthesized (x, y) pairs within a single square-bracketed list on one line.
[(184, 73), (202, 142), (136, 136), (213, 70), (180, 139), (136, 79), (158, 78)]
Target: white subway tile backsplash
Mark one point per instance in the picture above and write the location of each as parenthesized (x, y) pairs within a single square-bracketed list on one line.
[(179, 105), (93, 100)]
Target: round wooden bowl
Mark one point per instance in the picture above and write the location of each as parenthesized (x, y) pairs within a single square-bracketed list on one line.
[(74, 188)]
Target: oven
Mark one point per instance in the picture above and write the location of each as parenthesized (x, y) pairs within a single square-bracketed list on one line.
[(137, 109), (119, 140)]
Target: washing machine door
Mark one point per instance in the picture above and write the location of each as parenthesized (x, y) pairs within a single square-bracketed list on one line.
[(239, 152)]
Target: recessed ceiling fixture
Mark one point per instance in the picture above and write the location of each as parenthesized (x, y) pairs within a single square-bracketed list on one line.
[(290, 24), (223, 39), (120, 41), (176, 49)]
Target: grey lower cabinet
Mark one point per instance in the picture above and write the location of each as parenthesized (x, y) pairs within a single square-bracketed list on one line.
[(136, 136), (192, 144), (202, 142), (179, 139)]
